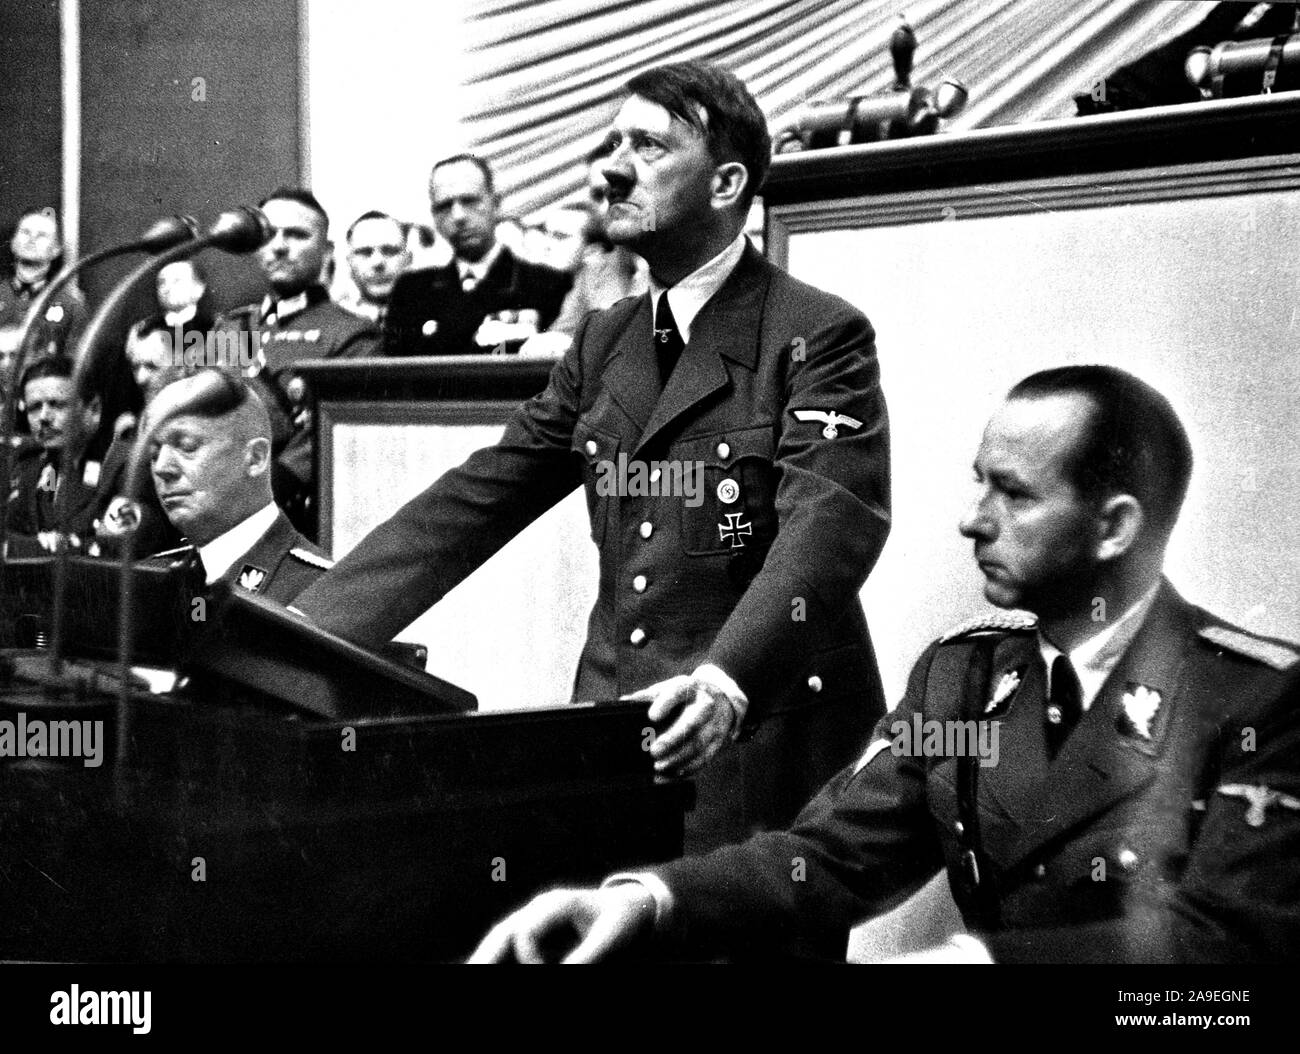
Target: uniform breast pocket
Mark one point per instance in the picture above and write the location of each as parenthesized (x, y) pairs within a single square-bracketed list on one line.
[(730, 509), (598, 453)]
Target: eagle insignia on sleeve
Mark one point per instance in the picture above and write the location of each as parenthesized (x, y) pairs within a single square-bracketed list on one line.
[(833, 420), (1258, 800)]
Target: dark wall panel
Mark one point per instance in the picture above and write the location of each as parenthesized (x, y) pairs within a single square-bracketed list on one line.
[(31, 110), (188, 107)]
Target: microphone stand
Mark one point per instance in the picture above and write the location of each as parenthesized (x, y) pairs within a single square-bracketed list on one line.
[(240, 230), (162, 235)]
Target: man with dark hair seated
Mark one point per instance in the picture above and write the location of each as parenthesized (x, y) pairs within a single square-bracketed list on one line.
[(296, 320), (37, 249), (211, 468), (377, 256), (37, 477), (1114, 780)]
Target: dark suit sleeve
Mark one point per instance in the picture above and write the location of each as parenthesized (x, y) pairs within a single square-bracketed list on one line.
[(407, 564), (1238, 897), (862, 845), (832, 505)]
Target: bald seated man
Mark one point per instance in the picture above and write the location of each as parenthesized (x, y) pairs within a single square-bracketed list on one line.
[(211, 466)]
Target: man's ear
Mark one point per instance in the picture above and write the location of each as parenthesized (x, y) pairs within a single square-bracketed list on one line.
[(729, 182), (1120, 522), (257, 456)]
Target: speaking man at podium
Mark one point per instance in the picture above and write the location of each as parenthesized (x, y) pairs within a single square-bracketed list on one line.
[(748, 406)]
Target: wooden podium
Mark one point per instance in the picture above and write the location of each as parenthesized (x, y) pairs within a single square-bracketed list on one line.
[(386, 429)]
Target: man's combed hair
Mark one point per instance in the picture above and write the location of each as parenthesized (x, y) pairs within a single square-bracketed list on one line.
[(49, 366), (489, 182), (733, 125), (302, 196), (375, 214), (1135, 443)]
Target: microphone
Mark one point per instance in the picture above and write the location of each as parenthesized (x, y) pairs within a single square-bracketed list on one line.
[(210, 390), (239, 230), (164, 234)]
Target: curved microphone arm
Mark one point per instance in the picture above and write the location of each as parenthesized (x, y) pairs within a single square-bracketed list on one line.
[(208, 387), (240, 230), (163, 235)]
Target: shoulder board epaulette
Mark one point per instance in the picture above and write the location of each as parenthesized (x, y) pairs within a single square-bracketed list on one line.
[(994, 622), (308, 557), (1272, 653), (180, 550)]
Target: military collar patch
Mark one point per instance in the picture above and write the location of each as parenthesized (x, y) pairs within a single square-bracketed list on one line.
[(251, 578), (830, 418), (1000, 701), (1141, 705), (1258, 800)]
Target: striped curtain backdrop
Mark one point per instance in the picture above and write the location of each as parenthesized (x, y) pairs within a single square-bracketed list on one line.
[(547, 74)]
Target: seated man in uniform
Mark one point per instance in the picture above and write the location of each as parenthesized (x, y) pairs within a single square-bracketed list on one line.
[(37, 475), (38, 256), (296, 320), (211, 467), (1143, 800)]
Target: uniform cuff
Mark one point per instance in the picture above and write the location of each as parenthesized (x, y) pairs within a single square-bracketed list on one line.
[(652, 884)]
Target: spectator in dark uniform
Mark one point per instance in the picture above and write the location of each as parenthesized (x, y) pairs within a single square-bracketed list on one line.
[(211, 468), (1141, 798), (296, 320), (37, 257), (487, 299), (749, 406), (38, 478), (377, 255)]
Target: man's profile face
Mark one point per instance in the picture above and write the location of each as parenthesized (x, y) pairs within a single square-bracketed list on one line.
[(658, 175), (292, 260), (179, 286), (48, 402), (36, 239), (464, 210), (1034, 533), (377, 254), (567, 230), (199, 470)]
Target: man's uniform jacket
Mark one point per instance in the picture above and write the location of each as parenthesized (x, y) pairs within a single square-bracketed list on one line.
[(429, 313), (1166, 829), (62, 325), (279, 566), (319, 330), (761, 577), (31, 506)]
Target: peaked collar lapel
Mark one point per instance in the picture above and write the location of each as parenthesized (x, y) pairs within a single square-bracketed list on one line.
[(728, 326), (1105, 759)]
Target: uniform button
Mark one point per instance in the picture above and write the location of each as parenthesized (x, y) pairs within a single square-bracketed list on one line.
[(814, 683), (959, 828), (1040, 871), (429, 328), (1054, 715), (1128, 860), (639, 583), (647, 529), (654, 475), (637, 637), (724, 451), (591, 448)]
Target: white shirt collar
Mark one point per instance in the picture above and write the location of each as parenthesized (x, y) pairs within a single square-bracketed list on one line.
[(688, 296), (1096, 657), (179, 318), (478, 268), (220, 554)]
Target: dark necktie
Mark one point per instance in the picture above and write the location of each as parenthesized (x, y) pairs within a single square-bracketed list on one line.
[(668, 341), (1064, 705)]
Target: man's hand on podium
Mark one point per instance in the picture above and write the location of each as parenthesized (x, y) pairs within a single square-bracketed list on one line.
[(570, 925), (710, 708)]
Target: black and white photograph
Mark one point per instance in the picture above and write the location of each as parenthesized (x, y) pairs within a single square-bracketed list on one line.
[(650, 483)]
